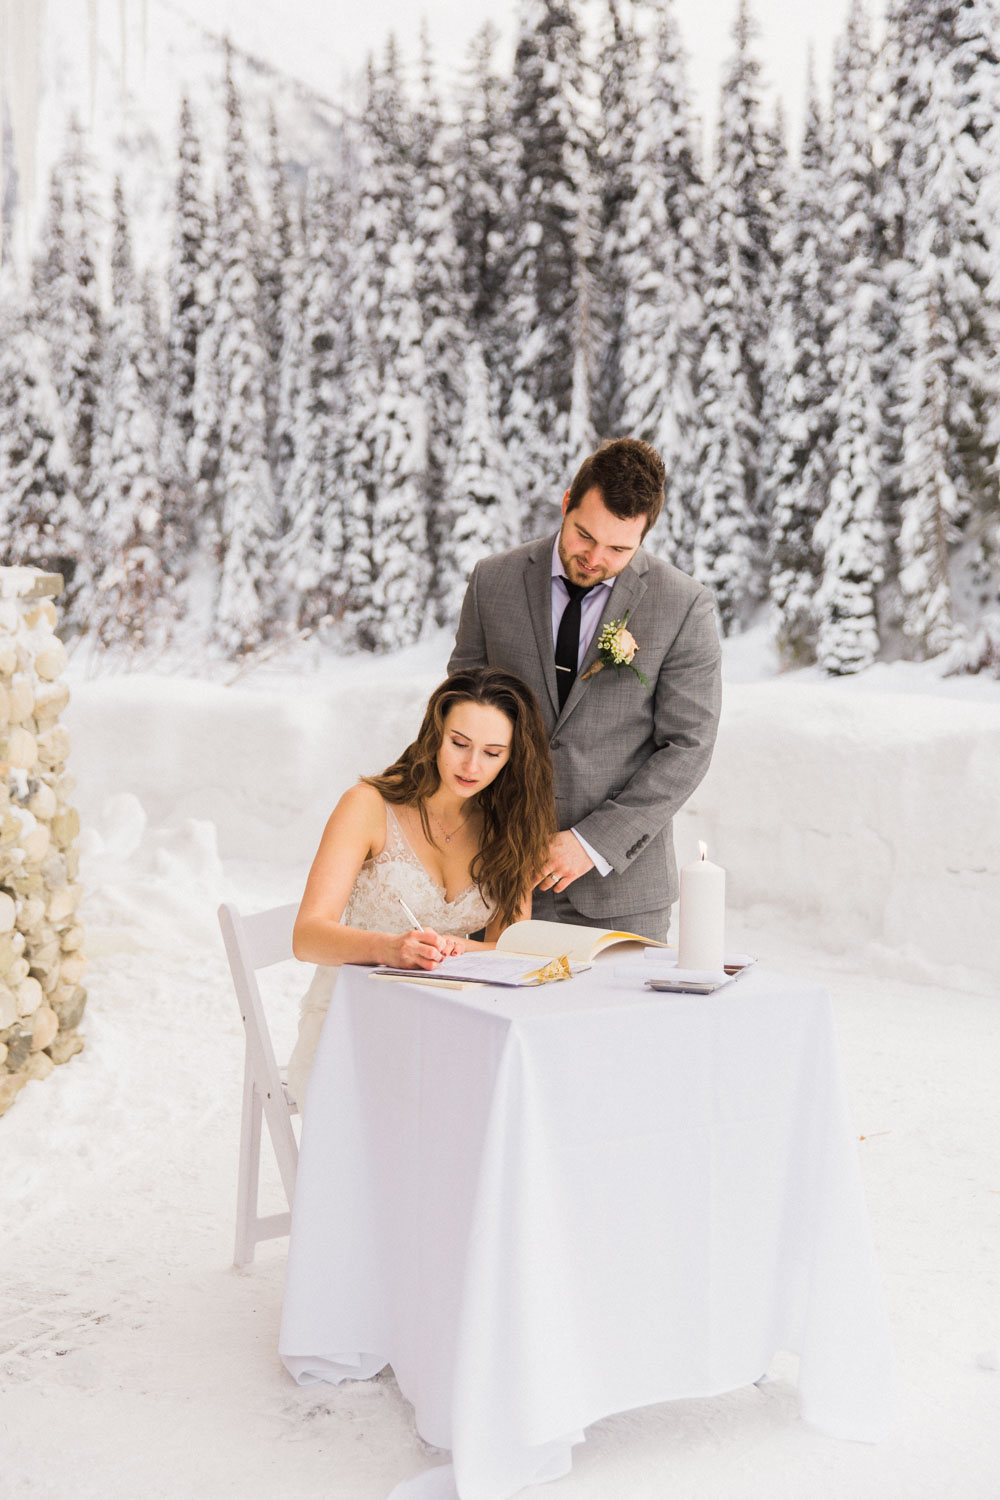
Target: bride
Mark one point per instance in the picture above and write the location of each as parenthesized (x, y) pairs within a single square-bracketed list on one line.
[(456, 828)]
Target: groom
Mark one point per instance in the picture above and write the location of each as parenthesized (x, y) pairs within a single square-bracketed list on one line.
[(625, 758)]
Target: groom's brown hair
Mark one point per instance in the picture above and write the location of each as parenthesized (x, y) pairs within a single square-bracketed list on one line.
[(630, 475)]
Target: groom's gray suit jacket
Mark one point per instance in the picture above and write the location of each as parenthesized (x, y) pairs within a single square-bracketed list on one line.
[(625, 759)]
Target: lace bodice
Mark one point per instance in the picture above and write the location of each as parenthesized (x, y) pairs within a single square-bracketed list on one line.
[(374, 902)]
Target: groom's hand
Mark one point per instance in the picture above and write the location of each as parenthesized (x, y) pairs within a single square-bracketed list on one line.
[(567, 861)]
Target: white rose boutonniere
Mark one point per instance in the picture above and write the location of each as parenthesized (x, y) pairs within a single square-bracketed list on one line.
[(616, 647)]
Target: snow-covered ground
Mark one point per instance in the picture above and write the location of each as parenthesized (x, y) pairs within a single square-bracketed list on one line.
[(861, 830)]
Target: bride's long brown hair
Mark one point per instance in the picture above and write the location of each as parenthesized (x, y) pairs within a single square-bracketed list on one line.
[(518, 806)]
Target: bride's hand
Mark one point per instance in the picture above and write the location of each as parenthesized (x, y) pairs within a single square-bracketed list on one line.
[(420, 948)]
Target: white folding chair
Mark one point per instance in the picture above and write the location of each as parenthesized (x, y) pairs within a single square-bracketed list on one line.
[(252, 943)]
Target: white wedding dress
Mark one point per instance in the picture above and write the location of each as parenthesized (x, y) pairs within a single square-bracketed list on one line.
[(374, 906)]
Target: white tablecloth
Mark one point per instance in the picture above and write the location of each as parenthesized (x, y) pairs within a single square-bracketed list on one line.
[(545, 1206)]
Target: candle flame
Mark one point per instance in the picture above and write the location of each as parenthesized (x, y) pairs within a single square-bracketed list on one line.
[(703, 849)]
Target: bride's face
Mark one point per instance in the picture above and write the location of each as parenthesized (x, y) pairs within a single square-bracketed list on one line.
[(475, 746)]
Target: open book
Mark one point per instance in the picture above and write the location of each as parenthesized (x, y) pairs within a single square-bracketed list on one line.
[(550, 939), (521, 952)]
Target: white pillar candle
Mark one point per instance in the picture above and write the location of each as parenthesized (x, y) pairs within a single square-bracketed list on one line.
[(703, 915)]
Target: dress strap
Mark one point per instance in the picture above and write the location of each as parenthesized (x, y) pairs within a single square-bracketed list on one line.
[(394, 835)]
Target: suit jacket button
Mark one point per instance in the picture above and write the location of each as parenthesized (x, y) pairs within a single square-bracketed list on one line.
[(554, 744)]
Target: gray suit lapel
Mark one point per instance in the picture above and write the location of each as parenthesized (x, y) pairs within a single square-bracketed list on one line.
[(538, 586), (630, 585)]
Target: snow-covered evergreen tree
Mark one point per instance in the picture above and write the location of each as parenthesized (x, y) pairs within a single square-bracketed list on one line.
[(985, 112), (853, 174), (662, 261), (202, 457), (245, 499), (581, 434), (41, 521), (851, 533), (977, 650), (400, 556), (724, 556), (279, 270), (311, 557), (796, 453), (920, 37), (745, 188), (291, 377), (187, 313), (621, 94), (131, 583), (368, 255), (931, 503), (548, 195), (66, 298), (385, 448), (728, 548), (483, 154), (776, 168), (443, 311), (480, 512)]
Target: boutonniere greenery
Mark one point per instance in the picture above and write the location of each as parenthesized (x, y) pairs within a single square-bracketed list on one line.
[(616, 647)]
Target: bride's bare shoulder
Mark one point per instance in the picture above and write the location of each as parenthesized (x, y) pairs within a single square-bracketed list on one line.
[(361, 811), (361, 804)]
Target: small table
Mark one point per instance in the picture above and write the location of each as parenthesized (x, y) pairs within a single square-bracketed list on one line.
[(544, 1206)]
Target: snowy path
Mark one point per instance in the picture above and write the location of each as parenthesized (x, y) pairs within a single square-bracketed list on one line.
[(135, 1362)]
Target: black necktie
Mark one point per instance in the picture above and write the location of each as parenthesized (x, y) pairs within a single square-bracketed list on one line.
[(568, 641)]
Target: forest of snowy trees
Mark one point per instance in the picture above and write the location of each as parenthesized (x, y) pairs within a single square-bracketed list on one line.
[(354, 385)]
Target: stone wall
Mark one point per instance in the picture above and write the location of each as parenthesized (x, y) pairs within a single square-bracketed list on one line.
[(41, 941)]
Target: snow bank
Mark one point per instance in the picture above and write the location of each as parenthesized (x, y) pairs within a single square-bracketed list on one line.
[(266, 767), (143, 881), (870, 821), (867, 819)]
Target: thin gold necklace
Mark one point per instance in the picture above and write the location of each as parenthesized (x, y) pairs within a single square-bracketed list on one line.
[(444, 833)]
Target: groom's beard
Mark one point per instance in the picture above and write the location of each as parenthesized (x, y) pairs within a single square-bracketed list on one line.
[(575, 573)]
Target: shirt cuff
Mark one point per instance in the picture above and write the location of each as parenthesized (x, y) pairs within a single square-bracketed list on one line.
[(600, 863)]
